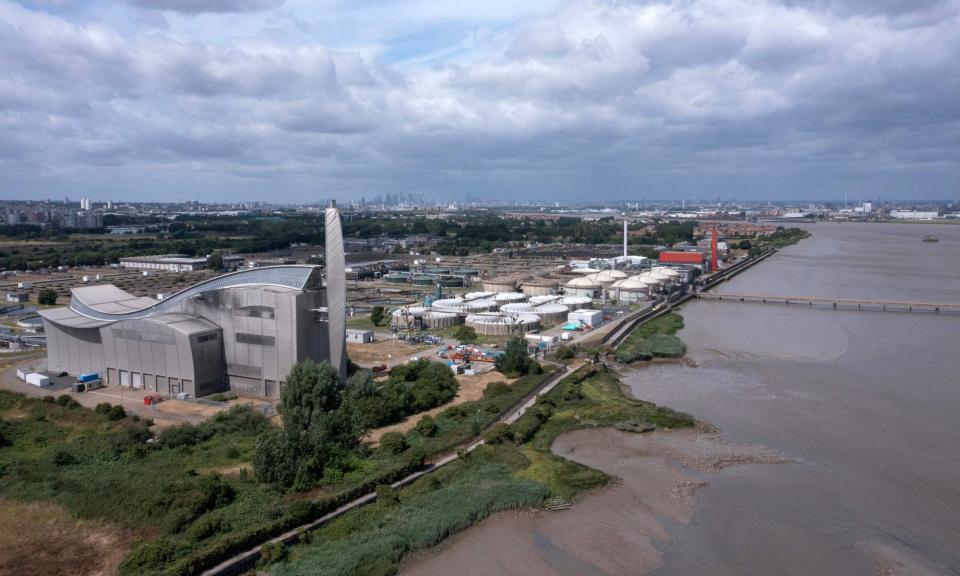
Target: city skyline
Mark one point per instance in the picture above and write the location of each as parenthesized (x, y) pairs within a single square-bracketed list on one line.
[(246, 100)]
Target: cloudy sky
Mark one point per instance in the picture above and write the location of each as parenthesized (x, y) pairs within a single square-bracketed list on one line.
[(297, 100)]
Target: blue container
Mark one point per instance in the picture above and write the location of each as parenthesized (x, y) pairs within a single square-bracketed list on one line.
[(88, 377)]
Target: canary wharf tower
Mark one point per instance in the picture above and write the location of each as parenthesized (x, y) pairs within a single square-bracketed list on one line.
[(336, 290)]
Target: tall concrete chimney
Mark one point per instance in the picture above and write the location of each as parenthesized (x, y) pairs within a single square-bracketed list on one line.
[(624, 238)]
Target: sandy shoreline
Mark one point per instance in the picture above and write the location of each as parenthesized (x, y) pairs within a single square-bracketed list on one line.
[(611, 532)]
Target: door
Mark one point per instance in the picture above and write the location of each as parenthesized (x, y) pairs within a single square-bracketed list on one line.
[(124, 378), (137, 380)]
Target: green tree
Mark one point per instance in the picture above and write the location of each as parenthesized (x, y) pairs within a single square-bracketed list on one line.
[(745, 245), (393, 442), (47, 297), (320, 429), (215, 260), (377, 315), (515, 361), (465, 334)]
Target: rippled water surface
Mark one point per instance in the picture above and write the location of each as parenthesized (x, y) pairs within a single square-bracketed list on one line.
[(867, 403)]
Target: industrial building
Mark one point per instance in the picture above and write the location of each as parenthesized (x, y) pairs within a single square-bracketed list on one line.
[(243, 331), (168, 262)]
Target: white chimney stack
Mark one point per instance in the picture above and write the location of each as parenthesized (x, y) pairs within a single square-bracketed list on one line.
[(624, 238)]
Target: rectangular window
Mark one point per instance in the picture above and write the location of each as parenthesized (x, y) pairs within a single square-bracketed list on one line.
[(258, 339), (208, 337)]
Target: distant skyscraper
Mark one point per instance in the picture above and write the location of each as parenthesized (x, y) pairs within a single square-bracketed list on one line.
[(336, 290)]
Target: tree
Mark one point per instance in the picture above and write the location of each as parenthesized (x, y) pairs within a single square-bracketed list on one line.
[(465, 334), (377, 315), (515, 361), (320, 429), (47, 297), (745, 245), (426, 426), (215, 260), (393, 442)]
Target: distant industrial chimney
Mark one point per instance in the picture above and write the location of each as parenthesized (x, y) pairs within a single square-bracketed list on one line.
[(713, 250), (624, 237)]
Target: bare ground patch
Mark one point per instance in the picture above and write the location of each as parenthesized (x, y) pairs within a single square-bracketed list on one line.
[(40, 539)]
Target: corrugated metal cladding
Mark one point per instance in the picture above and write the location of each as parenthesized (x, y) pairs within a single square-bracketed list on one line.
[(242, 337)]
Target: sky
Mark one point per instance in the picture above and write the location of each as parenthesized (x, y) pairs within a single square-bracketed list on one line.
[(532, 100)]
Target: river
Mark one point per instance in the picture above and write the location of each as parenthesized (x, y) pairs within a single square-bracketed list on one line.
[(866, 405)]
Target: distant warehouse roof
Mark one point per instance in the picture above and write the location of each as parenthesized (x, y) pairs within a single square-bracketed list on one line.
[(683, 257)]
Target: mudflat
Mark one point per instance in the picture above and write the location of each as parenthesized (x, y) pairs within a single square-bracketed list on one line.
[(612, 531)]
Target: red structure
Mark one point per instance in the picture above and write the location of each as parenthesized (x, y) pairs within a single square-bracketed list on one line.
[(673, 257), (713, 250)]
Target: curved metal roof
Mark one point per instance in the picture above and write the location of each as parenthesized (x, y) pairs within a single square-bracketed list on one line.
[(296, 277)]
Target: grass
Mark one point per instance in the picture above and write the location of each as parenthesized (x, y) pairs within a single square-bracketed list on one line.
[(189, 503), (653, 339), (373, 540), (362, 322)]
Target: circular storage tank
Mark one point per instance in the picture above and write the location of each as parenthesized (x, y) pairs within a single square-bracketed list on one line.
[(540, 287), (461, 306), (395, 278), (434, 319), (33, 324), (583, 286), (423, 281), (407, 317), (477, 295), (654, 282), (466, 272), (632, 289), (450, 281), (500, 284), (608, 277), (576, 302), (664, 278), (516, 307), (551, 313), (543, 299), (503, 324), (509, 298)]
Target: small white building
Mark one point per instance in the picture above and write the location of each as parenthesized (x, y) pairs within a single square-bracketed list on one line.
[(358, 336), (18, 297), (586, 317)]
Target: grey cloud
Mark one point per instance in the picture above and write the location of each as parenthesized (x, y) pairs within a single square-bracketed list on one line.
[(598, 99), (202, 6)]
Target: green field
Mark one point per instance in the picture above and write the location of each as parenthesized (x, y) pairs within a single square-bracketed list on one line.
[(653, 339)]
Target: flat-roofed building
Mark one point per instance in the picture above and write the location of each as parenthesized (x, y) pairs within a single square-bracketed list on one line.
[(170, 262)]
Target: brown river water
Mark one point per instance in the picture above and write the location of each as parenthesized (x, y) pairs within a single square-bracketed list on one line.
[(864, 407)]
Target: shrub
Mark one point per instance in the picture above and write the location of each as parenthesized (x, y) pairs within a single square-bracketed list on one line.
[(272, 552), (49, 400), (565, 352), (67, 401), (103, 408), (427, 426), (496, 389), (377, 315), (500, 432), (181, 435), (387, 494), (465, 334), (47, 297), (116, 413), (64, 458), (393, 442)]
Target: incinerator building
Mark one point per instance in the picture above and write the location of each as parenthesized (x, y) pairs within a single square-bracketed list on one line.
[(242, 331)]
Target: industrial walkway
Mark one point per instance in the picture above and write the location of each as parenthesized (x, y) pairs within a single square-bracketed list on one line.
[(836, 303)]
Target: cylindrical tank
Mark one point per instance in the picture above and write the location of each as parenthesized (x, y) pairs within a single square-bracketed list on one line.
[(551, 313), (500, 284), (575, 302), (543, 299), (509, 298), (435, 319), (515, 307), (497, 324)]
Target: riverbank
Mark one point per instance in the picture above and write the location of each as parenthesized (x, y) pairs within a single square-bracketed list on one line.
[(516, 469), (612, 531)]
